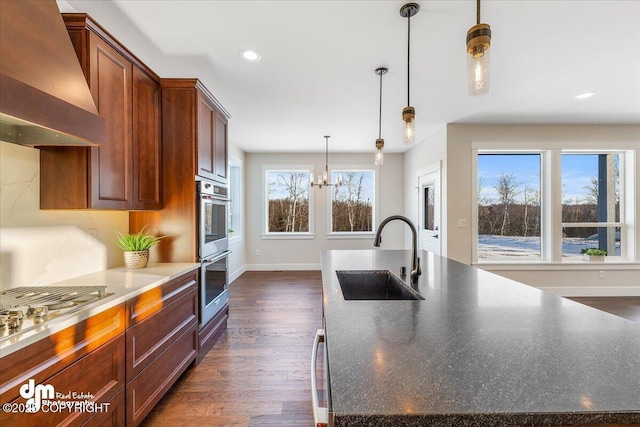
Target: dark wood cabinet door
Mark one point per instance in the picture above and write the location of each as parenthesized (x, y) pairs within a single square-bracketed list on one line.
[(220, 153), (147, 165), (206, 137), (112, 163)]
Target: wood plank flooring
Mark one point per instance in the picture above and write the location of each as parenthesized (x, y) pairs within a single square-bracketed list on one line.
[(627, 307), (257, 374)]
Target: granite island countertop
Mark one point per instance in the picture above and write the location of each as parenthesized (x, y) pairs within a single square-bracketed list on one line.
[(480, 349), (121, 285)]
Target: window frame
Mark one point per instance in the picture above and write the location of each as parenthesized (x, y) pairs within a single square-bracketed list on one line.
[(604, 224), (551, 196), (236, 188), (272, 235), (374, 205)]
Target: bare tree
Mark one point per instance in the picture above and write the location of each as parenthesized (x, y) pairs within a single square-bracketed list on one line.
[(531, 200), (349, 211), (507, 192), (288, 194)]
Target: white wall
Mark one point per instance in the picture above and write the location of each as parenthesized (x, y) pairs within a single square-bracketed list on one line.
[(569, 280), (305, 254), (39, 247), (420, 160), (237, 240)]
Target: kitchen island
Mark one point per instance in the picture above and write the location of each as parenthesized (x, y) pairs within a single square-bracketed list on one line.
[(480, 349)]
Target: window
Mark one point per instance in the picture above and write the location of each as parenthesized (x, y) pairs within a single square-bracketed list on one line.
[(551, 204), (428, 196), (352, 203), (509, 207), (590, 203), (287, 201), (235, 207)]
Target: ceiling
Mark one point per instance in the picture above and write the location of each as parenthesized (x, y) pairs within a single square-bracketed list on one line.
[(316, 76)]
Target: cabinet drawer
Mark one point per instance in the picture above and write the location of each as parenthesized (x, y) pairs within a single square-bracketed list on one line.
[(48, 356), (148, 338), (145, 390), (114, 417), (97, 377)]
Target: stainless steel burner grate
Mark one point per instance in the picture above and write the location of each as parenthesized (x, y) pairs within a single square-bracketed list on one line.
[(50, 296)]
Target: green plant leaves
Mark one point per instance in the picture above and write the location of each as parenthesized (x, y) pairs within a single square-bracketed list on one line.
[(136, 242)]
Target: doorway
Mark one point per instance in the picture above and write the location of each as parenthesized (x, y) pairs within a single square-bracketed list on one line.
[(429, 232)]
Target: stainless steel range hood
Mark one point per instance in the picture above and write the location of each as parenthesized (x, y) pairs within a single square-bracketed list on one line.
[(44, 96)]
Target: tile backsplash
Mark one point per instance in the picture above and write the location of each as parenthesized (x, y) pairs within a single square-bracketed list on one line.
[(40, 247)]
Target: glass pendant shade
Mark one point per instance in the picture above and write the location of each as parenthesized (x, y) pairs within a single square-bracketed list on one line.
[(478, 59), (379, 158), (408, 135), (409, 131)]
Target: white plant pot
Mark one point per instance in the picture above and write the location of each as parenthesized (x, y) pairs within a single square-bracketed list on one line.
[(593, 258), (134, 260)]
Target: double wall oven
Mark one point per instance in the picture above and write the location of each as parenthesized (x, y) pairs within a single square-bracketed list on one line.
[(213, 247)]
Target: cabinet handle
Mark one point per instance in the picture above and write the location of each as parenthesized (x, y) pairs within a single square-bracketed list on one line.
[(320, 414)]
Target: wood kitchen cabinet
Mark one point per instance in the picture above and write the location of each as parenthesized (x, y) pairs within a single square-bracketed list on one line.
[(86, 358), (126, 357), (211, 140), (194, 142), (161, 341), (125, 172)]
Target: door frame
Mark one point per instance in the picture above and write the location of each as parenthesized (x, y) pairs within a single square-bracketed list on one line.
[(433, 172)]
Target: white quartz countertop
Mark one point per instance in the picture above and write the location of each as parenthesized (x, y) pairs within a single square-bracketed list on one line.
[(121, 285)]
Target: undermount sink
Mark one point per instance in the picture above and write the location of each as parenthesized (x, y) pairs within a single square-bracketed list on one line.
[(374, 285)]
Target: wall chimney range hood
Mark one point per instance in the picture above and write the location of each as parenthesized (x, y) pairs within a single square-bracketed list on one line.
[(44, 96)]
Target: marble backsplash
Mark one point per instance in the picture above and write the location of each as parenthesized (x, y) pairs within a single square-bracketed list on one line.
[(40, 247)]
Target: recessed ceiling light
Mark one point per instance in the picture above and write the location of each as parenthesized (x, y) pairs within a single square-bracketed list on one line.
[(584, 95), (250, 55)]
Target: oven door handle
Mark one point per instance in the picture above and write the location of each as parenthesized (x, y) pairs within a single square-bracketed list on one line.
[(320, 414), (217, 257)]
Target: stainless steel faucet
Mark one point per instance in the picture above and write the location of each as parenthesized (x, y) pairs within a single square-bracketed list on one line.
[(415, 261)]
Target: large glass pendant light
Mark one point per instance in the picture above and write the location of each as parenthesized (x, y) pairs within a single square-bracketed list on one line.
[(408, 112), (478, 58), (379, 159)]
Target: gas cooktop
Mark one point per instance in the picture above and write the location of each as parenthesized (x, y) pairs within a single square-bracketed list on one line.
[(24, 308)]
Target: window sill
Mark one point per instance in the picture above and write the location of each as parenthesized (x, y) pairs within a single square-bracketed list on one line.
[(288, 236), (566, 265), (348, 236)]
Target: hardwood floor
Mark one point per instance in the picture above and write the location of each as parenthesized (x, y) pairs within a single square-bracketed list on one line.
[(627, 307), (257, 374)]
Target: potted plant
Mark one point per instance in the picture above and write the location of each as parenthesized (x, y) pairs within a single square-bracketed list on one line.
[(136, 247), (593, 254)]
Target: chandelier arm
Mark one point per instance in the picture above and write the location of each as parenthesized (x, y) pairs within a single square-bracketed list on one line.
[(326, 154)]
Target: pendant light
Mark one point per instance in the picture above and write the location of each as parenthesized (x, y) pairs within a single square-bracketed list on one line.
[(408, 112), (478, 64), (379, 159), (323, 180)]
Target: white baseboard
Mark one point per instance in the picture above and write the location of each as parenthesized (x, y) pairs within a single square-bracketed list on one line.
[(235, 274), (611, 291), (281, 267)]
